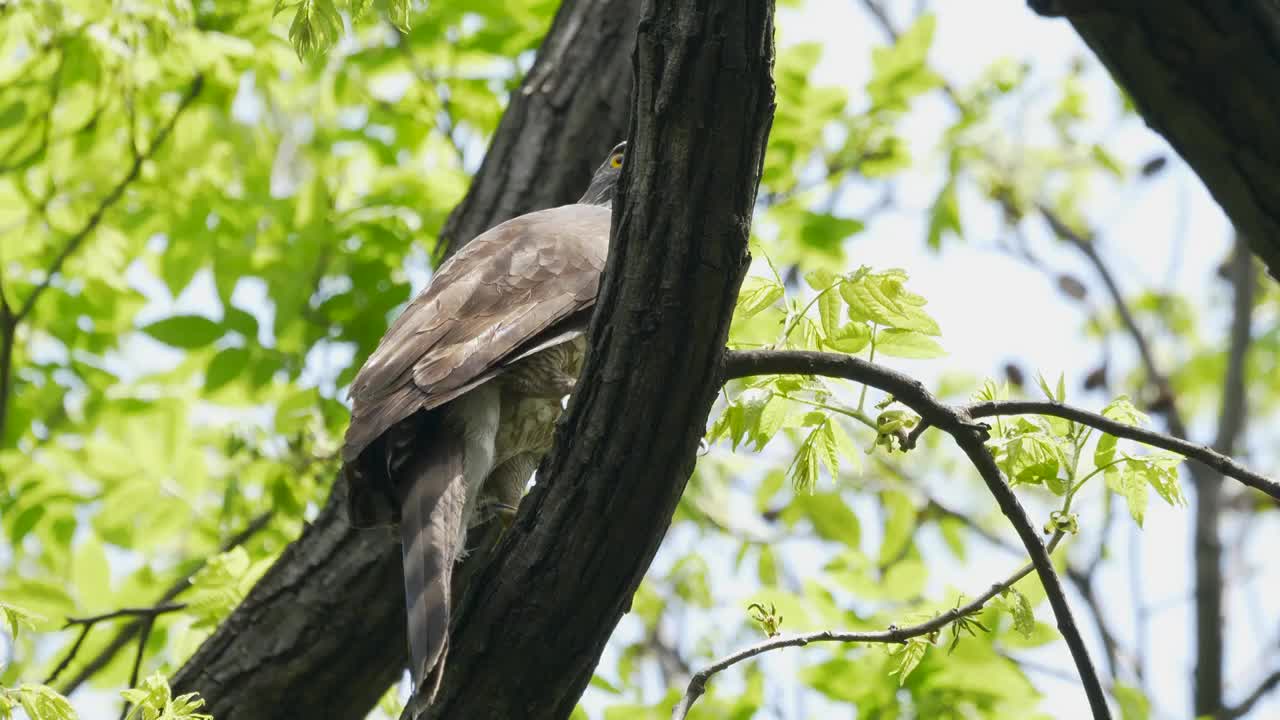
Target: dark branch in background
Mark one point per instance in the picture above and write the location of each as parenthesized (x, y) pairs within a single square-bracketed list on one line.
[(148, 614), (971, 437), (529, 637), (1088, 248), (698, 681), (122, 638), (9, 318), (1083, 581), (1239, 711), (1179, 78), (334, 653), (78, 238), (1208, 693), (1209, 456)]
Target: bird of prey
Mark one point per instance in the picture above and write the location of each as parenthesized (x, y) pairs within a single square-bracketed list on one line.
[(463, 392)]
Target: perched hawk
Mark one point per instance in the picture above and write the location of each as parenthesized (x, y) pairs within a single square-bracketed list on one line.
[(463, 393)]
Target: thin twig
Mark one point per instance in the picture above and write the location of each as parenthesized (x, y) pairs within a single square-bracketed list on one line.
[(128, 632), (894, 635), (147, 624), (1088, 248), (147, 615), (78, 238), (1258, 693), (142, 612), (1206, 455), (66, 659), (971, 437)]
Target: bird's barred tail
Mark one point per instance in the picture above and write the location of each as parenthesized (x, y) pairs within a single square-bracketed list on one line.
[(434, 494)]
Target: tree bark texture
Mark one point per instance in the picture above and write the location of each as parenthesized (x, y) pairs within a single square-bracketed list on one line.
[(322, 635), (532, 629), (1203, 75)]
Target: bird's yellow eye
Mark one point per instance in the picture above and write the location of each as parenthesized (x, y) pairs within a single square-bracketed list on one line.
[(616, 160)]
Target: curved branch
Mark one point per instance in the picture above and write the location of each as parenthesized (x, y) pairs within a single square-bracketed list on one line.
[(698, 682), (1205, 454), (1258, 693), (971, 437)]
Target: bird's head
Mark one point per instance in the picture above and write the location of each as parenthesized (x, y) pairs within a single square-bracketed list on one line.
[(600, 191)]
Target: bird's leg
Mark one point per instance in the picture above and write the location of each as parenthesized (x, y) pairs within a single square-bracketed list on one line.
[(505, 487)]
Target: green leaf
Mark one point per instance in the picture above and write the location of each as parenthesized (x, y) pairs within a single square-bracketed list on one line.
[(826, 233), (153, 700), (1122, 410), (899, 73), (16, 618), (1024, 620), (849, 338), (91, 574), (1130, 486), (44, 703), (399, 12), (1104, 453), (909, 658), (895, 342), (358, 7), (944, 216), (767, 566), (883, 298), (185, 331), (1107, 161), (831, 518), (225, 367), (899, 524), (316, 27), (757, 294), (1133, 703)]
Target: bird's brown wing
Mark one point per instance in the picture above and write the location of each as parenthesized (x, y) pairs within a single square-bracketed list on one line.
[(507, 287)]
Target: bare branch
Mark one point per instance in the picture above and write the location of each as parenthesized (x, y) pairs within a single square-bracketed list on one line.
[(971, 437), (147, 615), (1247, 704), (142, 612), (127, 633), (78, 238), (698, 682)]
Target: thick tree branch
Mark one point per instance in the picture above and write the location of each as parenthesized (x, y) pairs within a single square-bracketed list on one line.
[(324, 628), (1206, 455), (971, 438), (698, 682), (528, 638)]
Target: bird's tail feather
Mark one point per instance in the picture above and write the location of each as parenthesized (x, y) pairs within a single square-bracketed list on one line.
[(434, 493)]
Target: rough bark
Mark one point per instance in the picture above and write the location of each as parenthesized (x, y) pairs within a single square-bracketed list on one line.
[(322, 634), (530, 633), (1203, 75)]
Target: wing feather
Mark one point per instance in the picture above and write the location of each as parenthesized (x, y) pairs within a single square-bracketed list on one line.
[(507, 287)]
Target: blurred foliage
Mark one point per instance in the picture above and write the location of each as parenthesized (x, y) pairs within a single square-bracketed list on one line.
[(210, 211)]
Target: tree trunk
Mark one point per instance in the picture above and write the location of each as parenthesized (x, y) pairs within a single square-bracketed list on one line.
[(1203, 75), (322, 634), (530, 633)]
